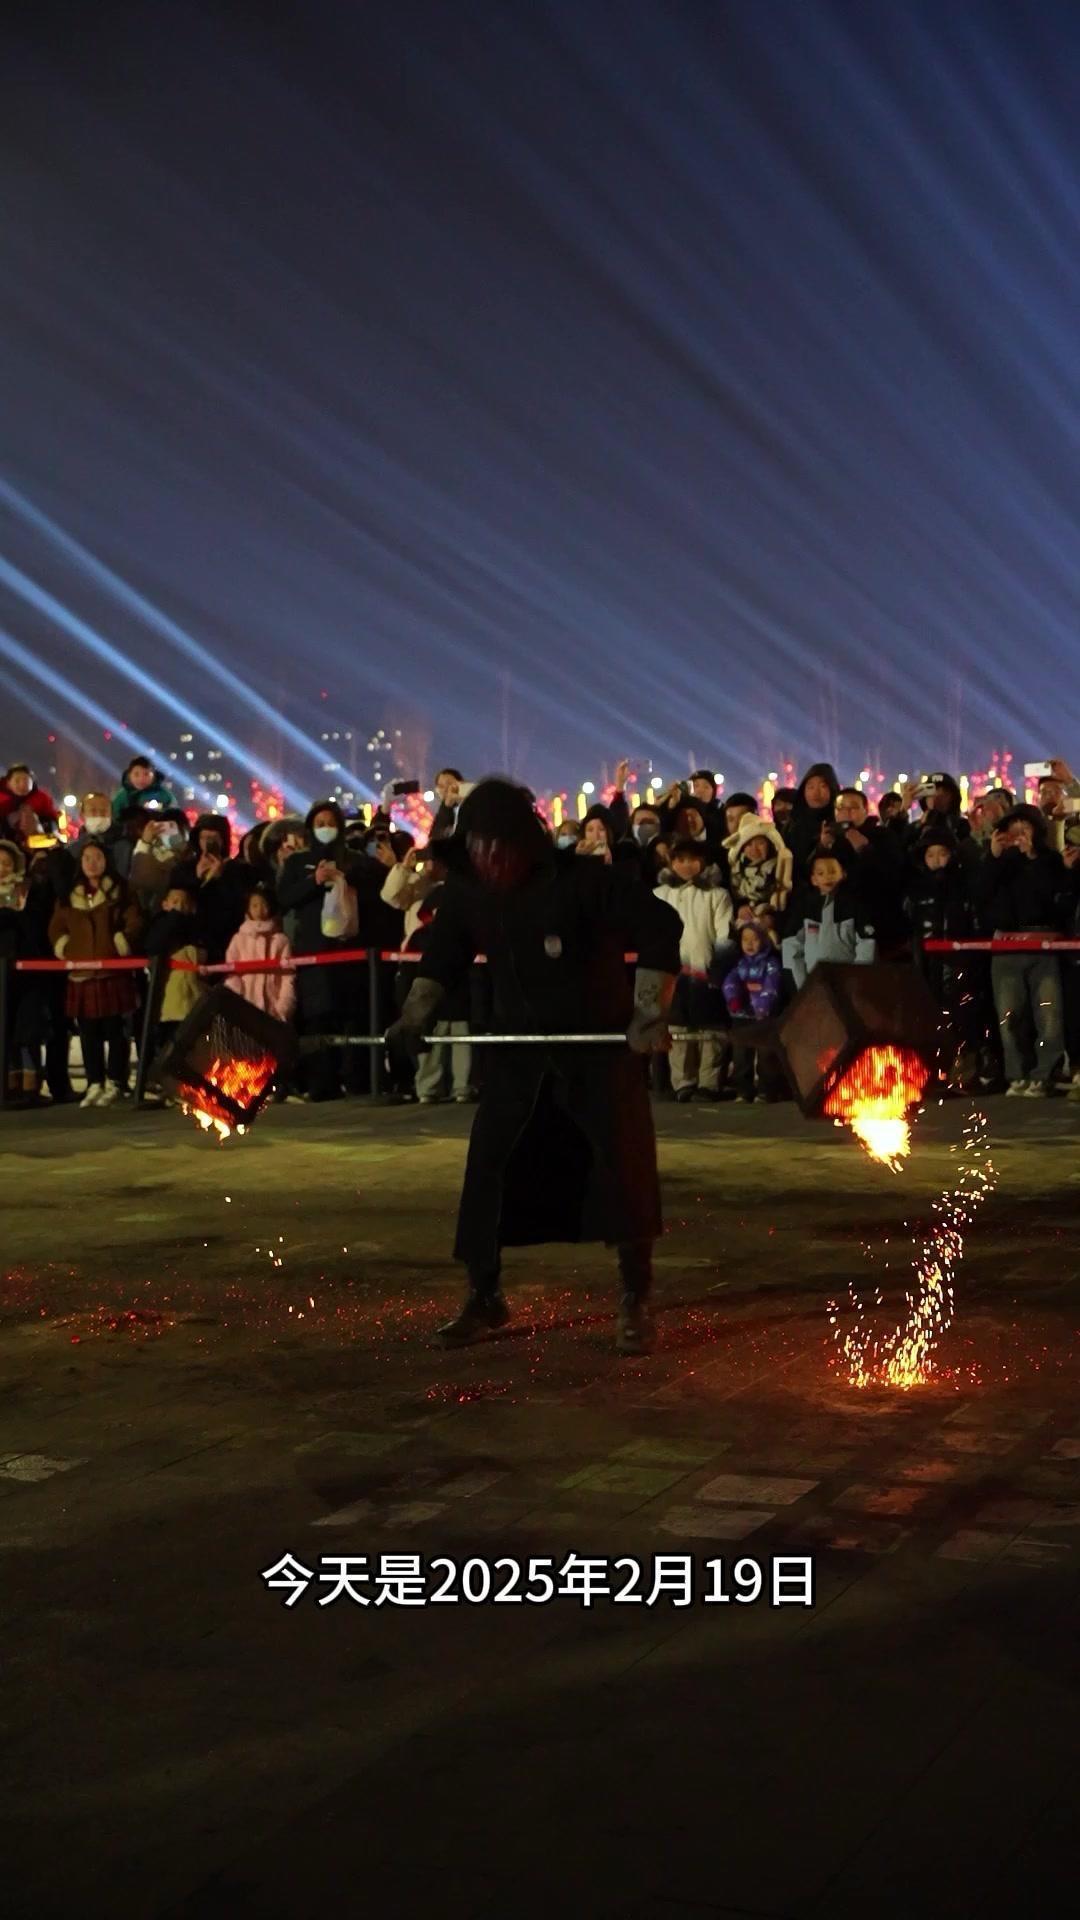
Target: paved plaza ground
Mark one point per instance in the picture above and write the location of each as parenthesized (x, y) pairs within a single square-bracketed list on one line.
[(211, 1358)]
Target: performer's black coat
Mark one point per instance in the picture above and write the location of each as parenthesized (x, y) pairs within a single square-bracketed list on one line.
[(562, 1146)]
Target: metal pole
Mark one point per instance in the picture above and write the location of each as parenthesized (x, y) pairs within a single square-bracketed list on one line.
[(374, 1038), (5, 1004), (155, 987), (535, 1039)]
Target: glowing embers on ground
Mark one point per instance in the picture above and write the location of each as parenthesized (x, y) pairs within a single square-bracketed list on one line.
[(874, 1096), (904, 1357), (229, 1094)]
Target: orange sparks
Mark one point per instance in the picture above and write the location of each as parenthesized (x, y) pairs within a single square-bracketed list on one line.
[(904, 1357), (873, 1098)]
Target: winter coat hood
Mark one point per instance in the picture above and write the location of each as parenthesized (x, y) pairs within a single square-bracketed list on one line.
[(752, 827), (127, 796), (17, 855), (823, 771)]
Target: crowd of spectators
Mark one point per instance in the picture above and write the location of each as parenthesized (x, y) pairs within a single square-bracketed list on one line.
[(763, 897)]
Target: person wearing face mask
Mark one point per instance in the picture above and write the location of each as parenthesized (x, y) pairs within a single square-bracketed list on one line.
[(95, 823), (644, 826), (562, 1148), (567, 835), (329, 997)]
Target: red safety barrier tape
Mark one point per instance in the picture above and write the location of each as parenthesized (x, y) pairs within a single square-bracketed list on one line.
[(116, 965), (329, 959), (1005, 943)]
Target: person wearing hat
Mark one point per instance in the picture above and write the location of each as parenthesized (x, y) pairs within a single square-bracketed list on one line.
[(562, 1146)]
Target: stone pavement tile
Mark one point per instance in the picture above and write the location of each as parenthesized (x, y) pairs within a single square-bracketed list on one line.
[(352, 1446), (980, 1440), (32, 1467), (755, 1489), (712, 1523), (465, 1486), (669, 1453), (1059, 1514), (1013, 1513), (826, 1532), (930, 1472), (643, 1482), (999, 1416), (1029, 1550), (974, 1544), (888, 1502)]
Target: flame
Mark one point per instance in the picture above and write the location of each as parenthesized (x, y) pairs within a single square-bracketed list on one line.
[(240, 1082), (873, 1098)]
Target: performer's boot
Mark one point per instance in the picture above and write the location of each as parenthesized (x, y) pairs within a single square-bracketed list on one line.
[(485, 1309), (635, 1332)]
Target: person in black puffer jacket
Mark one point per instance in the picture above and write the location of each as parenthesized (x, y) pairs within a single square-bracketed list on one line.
[(939, 906), (814, 807), (1023, 887)]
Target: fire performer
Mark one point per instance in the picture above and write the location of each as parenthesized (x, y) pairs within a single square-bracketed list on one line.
[(562, 1146)]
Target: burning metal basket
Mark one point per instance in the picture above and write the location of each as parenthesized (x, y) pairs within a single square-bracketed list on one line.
[(223, 1059)]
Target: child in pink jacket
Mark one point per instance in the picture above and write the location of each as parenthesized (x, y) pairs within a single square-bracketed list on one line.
[(260, 938)]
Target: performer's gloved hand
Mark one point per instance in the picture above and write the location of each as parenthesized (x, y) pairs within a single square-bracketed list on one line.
[(648, 1029), (405, 1040)]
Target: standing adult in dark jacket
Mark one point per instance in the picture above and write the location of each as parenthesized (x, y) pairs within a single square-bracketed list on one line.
[(220, 883), (814, 807), (939, 906), (1023, 887), (40, 1023), (329, 997), (562, 1147)]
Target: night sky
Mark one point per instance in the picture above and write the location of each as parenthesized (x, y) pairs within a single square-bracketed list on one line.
[(546, 380)]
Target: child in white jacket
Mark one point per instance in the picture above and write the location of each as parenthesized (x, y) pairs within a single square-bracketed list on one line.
[(706, 913)]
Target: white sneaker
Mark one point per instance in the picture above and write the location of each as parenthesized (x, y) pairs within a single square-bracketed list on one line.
[(109, 1095), (1016, 1087), (1036, 1090), (93, 1095)]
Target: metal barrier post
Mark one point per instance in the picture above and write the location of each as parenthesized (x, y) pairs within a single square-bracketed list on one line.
[(5, 1006), (155, 988), (375, 1085)]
